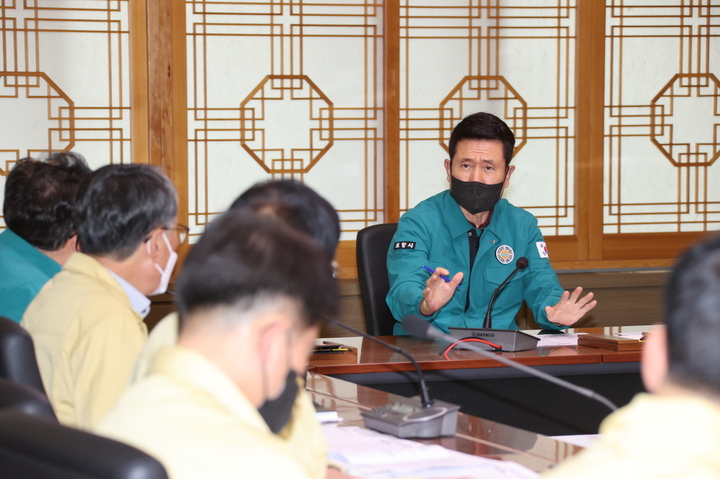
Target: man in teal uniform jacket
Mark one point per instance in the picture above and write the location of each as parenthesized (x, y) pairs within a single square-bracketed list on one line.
[(40, 237), (440, 233)]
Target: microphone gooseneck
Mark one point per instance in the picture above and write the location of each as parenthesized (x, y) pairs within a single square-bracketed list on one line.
[(520, 264), (424, 395), (417, 327), (421, 329)]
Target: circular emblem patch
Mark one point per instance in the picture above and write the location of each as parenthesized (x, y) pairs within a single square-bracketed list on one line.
[(504, 254)]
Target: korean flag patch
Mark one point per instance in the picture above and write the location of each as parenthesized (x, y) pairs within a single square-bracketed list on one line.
[(404, 245), (542, 249)]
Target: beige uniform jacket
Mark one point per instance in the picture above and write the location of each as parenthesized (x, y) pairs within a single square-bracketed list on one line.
[(192, 417), (659, 437), (87, 337)]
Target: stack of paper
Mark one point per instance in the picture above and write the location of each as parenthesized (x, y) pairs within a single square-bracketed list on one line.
[(373, 455), (323, 414), (550, 340)]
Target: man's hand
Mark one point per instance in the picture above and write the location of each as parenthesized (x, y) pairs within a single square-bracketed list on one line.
[(570, 308), (437, 292)]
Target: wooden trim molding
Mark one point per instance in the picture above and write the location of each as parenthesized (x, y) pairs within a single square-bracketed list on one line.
[(639, 246), (139, 81), (160, 94), (391, 111), (590, 78)]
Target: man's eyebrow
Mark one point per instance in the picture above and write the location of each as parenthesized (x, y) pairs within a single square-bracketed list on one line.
[(482, 160)]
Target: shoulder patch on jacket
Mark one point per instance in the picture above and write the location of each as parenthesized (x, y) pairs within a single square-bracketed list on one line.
[(542, 249), (404, 245)]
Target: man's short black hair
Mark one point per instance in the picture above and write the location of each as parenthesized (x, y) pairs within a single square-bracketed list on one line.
[(119, 205), (483, 126), (692, 318), (244, 258), (299, 206), (40, 199)]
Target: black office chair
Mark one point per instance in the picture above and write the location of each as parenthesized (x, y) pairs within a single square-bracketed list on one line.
[(17, 355), (37, 447), (25, 398), (371, 249)]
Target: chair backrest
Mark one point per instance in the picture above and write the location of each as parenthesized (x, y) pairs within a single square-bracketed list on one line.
[(371, 248), (17, 355), (31, 446), (25, 398)]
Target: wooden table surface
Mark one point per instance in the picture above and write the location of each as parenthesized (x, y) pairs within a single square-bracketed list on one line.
[(374, 358), (489, 389), (474, 435)]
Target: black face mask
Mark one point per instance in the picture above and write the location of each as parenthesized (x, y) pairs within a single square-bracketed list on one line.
[(474, 196), (277, 412)]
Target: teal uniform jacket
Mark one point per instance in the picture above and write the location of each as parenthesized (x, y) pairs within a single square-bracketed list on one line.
[(435, 233), (24, 269)]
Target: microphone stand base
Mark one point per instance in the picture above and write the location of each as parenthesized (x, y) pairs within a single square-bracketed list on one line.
[(508, 339), (407, 418)]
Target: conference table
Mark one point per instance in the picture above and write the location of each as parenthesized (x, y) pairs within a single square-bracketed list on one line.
[(490, 390), (474, 435)]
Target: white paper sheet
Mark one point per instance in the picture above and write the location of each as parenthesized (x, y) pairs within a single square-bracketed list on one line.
[(373, 455), (582, 440), (635, 335), (566, 339)]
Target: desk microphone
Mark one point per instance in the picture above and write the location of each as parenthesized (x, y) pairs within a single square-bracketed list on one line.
[(421, 329), (426, 401), (499, 339), (520, 264), (409, 417)]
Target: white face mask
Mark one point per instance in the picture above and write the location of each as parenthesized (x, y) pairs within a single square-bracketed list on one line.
[(167, 272)]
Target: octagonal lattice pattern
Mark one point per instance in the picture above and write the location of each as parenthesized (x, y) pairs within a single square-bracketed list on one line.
[(497, 96), (286, 124), (38, 116), (681, 142)]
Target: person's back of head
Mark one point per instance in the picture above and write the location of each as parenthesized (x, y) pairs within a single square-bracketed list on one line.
[(692, 318), (250, 295), (119, 205), (39, 201), (483, 126), (244, 260), (298, 205)]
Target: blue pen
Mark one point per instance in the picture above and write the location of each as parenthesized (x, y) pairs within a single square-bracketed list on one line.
[(442, 276)]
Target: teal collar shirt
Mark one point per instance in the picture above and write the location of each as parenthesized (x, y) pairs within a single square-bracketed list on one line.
[(435, 233), (24, 269)]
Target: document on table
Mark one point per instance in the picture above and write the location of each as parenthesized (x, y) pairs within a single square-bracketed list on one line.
[(325, 415), (571, 339), (565, 339), (363, 452), (582, 440), (634, 335)]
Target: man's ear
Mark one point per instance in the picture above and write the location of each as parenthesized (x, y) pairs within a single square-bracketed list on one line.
[(272, 333), (448, 169), (654, 366), (154, 244), (509, 173), (72, 243), (273, 351)]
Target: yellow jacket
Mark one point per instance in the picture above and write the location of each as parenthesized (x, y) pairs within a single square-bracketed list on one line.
[(87, 337), (164, 334), (193, 418), (659, 437)]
